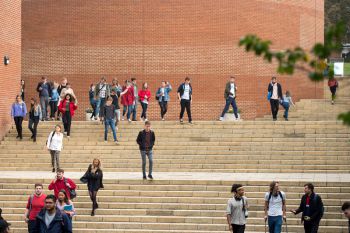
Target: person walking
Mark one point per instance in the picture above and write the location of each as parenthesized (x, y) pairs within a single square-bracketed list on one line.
[(35, 203), (67, 107), (23, 85), (286, 103), (109, 116), (62, 86), (136, 99), (44, 90), (333, 85), (92, 101), (274, 95), (34, 117), (54, 144), (65, 205), (145, 97), (94, 179), (237, 209), (51, 220), (18, 112), (346, 210), (230, 97), (60, 182), (163, 98), (54, 101), (312, 209), (275, 208), (184, 94), (115, 95), (145, 140), (128, 99), (102, 91)]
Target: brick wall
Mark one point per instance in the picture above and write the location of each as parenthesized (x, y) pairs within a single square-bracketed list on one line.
[(168, 40), (10, 45)]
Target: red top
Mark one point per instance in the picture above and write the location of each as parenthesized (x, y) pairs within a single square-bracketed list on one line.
[(59, 184), (142, 94), (62, 107), (308, 200), (332, 82), (128, 98), (37, 204)]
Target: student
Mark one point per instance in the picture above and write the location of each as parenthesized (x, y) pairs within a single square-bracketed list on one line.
[(136, 98), (184, 94), (65, 205), (92, 101), (346, 210), (237, 209), (230, 97), (54, 145), (4, 225), (128, 99), (145, 140), (311, 207), (67, 107), (102, 91), (60, 182), (18, 112), (68, 90), (62, 86), (163, 98), (333, 85), (109, 116), (34, 117), (286, 103), (44, 90), (54, 101), (275, 208), (115, 95), (145, 97), (94, 179), (22, 89), (35, 203), (274, 95)]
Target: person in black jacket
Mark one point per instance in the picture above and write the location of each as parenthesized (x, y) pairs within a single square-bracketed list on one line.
[(274, 95), (312, 208), (346, 210), (44, 90), (184, 94), (94, 179), (145, 140)]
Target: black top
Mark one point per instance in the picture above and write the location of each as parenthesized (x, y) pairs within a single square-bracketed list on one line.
[(115, 101), (109, 112), (279, 90), (95, 180), (141, 140), (315, 209)]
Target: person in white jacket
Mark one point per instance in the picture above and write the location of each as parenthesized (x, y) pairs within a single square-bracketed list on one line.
[(54, 144)]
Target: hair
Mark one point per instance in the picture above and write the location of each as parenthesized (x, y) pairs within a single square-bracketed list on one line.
[(115, 80), (103, 78), (71, 97), (35, 103), (109, 98), (288, 93), (273, 77), (18, 96), (24, 83), (1, 214), (187, 79), (272, 185), (233, 77), (99, 163), (310, 186), (43, 77), (59, 126), (60, 170), (235, 187), (38, 184), (147, 123), (66, 200), (345, 206), (68, 84), (133, 79), (143, 86), (52, 197)]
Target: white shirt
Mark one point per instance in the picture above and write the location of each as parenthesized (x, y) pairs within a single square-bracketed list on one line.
[(235, 209), (275, 92), (102, 90), (162, 91), (186, 94), (233, 89), (56, 142), (275, 204)]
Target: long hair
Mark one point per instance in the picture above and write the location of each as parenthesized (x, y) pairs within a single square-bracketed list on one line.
[(71, 97), (272, 185), (99, 163), (65, 200), (143, 86)]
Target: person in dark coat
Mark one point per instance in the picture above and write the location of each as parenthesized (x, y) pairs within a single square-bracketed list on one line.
[(93, 177)]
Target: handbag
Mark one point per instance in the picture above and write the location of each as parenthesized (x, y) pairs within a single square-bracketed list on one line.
[(72, 192)]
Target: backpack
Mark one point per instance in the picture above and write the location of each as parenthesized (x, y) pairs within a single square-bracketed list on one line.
[(30, 204), (72, 192)]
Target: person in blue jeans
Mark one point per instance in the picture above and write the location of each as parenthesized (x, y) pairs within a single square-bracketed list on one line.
[(145, 140), (44, 90), (109, 118), (135, 103), (230, 97), (163, 98), (286, 103), (275, 208)]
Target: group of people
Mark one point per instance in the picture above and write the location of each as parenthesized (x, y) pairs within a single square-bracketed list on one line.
[(311, 207)]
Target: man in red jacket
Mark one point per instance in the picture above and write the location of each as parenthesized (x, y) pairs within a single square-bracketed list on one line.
[(60, 182)]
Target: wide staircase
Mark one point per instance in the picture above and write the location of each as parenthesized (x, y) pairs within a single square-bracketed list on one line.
[(194, 167)]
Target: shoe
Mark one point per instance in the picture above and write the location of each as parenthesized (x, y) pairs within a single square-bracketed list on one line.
[(122, 118), (181, 120), (105, 141), (274, 119), (332, 102), (163, 119), (65, 133), (146, 119), (221, 119), (190, 122), (116, 142), (53, 169), (17, 136), (68, 137), (144, 177), (32, 137), (93, 213), (95, 206), (150, 176), (129, 120), (286, 119)]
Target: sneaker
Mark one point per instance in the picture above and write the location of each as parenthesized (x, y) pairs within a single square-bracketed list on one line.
[(105, 141), (190, 122), (141, 119), (116, 142), (332, 102), (93, 213), (53, 169), (150, 176), (129, 120), (68, 137), (286, 119), (181, 120), (122, 118), (65, 133), (144, 177), (221, 119), (146, 119), (163, 119), (274, 119)]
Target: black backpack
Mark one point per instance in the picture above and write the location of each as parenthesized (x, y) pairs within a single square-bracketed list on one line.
[(270, 195)]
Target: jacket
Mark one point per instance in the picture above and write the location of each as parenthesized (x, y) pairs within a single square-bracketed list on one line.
[(62, 107), (46, 89), (59, 184), (181, 90), (166, 93), (228, 90), (97, 90), (128, 98), (54, 95), (60, 223), (141, 140), (333, 83), (35, 112), (279, 90), (143, 93), (316, 207), (18, 109), (94, 180)]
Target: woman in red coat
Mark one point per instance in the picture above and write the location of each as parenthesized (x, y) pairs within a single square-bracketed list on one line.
[(145, 97), (67, 107)]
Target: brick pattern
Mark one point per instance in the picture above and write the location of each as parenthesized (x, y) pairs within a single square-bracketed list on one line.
[(168, 40), (10, 45)]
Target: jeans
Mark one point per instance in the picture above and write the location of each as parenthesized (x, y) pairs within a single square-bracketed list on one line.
[(100, 103), (230, 101), (117, 115), (275, 224), (125, 109), (274, 107), (130, 111), (311, 226), (111, 123), (333, 91), (18, 122), (53, 108), (150, 158), (93, 106), (67, 121), (186, 104), (238, 228), (31, 226), (286, 109), (144, 110), (134, 108), (163, 108), (55, 158), (44, 103), (32, 129)]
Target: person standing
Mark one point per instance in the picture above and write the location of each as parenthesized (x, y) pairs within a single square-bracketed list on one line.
[(65, 205), (62, 86), (333, 85), (230, 97), (94, 179), (136, 99), (128, 99), (18, 112), (35, 203), (55, 144), (145, 97), (102, 91), (54, 101), (109, 116), (22, 89), (34, 117), (311, 207), (184, 94), (346, 210), (145, 140), (275, 208), (92, 101), (67, 107), (237, 209), (163, 98), (51, 220), (274, 96), (44, 90), (286, 103), (60, 182)]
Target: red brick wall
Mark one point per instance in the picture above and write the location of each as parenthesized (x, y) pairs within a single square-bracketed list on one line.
[(168, 40), (10, 45)]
